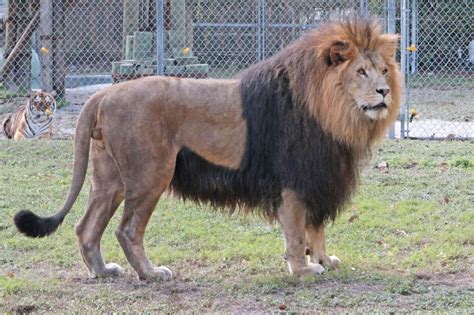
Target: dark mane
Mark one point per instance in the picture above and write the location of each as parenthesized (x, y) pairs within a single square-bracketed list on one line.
[(286, 148)]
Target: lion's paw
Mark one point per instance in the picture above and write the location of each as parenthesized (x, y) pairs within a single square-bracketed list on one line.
[(331, 262), (335, 262), (310, 269), (158, 273), (327, 261), (110, 270), (315, 269)]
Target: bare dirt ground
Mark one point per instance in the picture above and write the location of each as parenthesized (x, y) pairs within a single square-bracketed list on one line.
[(444, 104), (193, 293)]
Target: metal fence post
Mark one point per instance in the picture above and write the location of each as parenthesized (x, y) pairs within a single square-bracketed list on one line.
[(363, 9), (263, 21), (258, 30), (390, 28), (160, 50), (414, 34), (403, 65)]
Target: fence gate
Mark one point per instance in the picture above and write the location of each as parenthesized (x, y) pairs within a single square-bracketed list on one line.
[(437, 60)]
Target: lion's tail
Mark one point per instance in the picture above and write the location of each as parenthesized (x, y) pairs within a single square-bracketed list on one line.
[(32, 225)]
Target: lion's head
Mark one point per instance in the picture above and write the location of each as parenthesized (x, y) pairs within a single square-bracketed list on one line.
[(352, 84)]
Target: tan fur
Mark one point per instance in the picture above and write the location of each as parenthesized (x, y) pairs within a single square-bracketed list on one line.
[(138, 128)]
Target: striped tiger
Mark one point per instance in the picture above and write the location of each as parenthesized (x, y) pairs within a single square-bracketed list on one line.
[(33, 120)]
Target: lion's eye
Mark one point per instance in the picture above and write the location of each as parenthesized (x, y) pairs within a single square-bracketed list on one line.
[(384, 71), (361, 72)]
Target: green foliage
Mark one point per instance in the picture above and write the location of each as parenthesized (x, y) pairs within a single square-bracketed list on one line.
[(10, 285), (462, 162)]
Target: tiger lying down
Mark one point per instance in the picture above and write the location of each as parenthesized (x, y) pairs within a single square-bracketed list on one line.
[(285, 139), (33, 120)]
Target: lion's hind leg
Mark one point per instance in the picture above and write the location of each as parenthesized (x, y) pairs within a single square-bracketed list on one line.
[(144, 185), (106, 194), (292, 217), (316, 248)]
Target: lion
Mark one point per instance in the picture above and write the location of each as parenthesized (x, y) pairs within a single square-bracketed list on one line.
[(285, 139)]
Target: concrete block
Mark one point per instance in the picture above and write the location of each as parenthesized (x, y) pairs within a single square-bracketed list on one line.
[(184, 61), (201, 68), (175, 70), (142, 45)]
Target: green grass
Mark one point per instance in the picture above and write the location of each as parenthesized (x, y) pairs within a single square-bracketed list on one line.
[(406, 243)]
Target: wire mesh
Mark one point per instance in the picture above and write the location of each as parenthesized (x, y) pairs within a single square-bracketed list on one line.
[(440, 73), (75, 47)]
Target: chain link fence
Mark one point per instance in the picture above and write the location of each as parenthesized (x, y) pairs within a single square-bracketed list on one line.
[(76, 47), (439, 68)]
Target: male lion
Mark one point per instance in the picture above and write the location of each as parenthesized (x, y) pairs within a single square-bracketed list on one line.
[(286, 138)]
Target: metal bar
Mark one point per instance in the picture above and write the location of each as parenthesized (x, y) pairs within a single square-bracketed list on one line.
[(414, 34), (222, 25), (403, 66), (160, 46), (263, 37), (390, 25), (363, 9), (458, 138), (259, 31), (391, 9), (255, 25)]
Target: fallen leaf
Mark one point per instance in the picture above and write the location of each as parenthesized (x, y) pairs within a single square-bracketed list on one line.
[(353, 217), (423, 276), (410, 164), (400, 233)]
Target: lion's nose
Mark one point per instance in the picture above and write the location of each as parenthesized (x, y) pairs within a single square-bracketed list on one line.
[(384, 92)]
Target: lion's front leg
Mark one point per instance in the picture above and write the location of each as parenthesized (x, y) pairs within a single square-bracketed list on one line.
[(291, 215), (316, 247)]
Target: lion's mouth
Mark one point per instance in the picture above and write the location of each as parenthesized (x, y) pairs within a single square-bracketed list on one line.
[(379, 106)]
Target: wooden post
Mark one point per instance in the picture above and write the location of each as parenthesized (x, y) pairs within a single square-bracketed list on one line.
[(59, 58), (144, 16), (22, 42), (189, 12), (177, 34), (52, 59), (130, 19), (46, 44), (17, 76)]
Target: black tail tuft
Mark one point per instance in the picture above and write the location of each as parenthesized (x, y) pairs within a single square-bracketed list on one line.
[(32, 225)]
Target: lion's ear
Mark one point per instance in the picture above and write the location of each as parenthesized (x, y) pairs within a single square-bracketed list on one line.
[(339, 52), (388, 44)]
